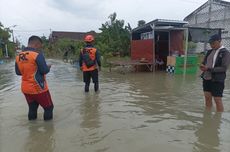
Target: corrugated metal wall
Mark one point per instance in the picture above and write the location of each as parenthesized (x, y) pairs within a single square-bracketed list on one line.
[(215, 14)]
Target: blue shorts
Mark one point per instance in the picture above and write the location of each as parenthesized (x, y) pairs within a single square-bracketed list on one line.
[(215, 88)]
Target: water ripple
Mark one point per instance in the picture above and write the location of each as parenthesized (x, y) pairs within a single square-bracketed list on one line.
[(130, 111)]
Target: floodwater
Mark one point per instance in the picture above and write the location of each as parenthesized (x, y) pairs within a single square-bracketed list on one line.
[(133, 112)]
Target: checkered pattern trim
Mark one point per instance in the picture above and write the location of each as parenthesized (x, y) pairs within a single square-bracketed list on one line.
[(170, 69)]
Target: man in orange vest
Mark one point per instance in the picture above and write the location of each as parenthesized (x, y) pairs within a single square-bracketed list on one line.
[(89, 60), (31, 65)]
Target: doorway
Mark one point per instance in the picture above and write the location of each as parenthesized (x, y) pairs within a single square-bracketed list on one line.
[(161, 49)]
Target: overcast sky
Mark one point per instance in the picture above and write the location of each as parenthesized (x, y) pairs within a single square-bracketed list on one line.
[(39, 17)]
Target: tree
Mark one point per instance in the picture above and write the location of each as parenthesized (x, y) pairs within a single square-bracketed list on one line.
[(45, 41), (114, 36), (140, 23), (4, 41), (63, 47)]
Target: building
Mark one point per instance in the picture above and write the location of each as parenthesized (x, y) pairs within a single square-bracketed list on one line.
[(212, 14), (168, 40), (76, 36)]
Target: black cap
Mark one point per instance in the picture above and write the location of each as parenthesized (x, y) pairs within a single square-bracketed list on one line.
[(213, 38)]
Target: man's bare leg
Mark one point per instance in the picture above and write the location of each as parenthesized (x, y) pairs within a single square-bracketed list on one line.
[(208, 100), (219, 104)]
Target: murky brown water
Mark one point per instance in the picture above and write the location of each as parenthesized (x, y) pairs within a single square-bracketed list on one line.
[(135, 112)]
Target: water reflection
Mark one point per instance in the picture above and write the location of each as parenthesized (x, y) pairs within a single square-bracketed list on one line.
[(90, 111), (208, 133), (8, 81), (41, 137), (160, 93)]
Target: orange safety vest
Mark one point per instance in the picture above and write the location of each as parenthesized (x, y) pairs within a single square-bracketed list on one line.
[(92, 54), (26, 62)]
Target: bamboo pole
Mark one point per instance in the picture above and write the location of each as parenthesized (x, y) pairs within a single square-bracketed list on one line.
[(186, 50)]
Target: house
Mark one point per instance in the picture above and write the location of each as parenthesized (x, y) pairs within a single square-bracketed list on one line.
[(76, 36), (212, 14)]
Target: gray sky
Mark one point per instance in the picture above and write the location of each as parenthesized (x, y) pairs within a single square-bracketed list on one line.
[(39, 17)]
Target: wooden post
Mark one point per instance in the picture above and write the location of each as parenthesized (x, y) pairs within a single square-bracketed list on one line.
[(186, 50)]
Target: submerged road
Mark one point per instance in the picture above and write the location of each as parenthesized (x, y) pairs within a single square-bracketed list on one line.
[(134, 112)]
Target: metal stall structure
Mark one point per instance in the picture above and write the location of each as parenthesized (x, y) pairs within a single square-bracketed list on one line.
[(158, 39), (168, 40)]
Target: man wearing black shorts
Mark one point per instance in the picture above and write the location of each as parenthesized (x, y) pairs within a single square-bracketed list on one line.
[(214, 67)]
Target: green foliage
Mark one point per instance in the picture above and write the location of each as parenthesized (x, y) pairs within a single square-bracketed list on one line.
[(191, 47), (11, 49), (141, 22), (114, 37), (4, 41), (1, 54), (63, 46), (4, 34), (45, 41)]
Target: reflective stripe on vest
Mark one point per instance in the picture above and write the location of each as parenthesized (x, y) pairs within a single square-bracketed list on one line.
[(26, 62)]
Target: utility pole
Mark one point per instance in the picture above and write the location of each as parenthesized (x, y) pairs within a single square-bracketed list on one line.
[(7, 55), (11, 31)]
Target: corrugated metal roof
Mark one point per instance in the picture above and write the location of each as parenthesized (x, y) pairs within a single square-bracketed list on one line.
[(161, 22)]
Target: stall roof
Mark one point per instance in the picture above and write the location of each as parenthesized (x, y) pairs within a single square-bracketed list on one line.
[(160, 23), (167, 28), (196, 34)]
